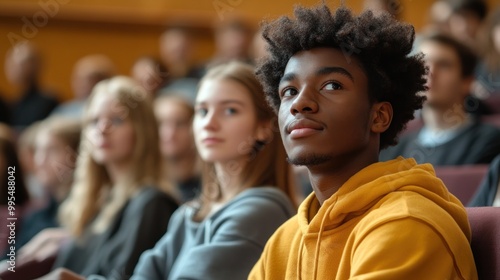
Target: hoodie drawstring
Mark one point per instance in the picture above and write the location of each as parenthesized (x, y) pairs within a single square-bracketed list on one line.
[(318, 240), (299, 260), (317, 249)]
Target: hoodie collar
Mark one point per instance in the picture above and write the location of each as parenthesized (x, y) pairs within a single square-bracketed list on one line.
[(351, 199)]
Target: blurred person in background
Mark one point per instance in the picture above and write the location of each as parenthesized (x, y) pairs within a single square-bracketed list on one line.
[(439, 17), (258, 47), (87, 72), (232, 41), (151, 74), (176, 52), (393, 7), (23, 65), (26, 152), (453, 133), (118, 206), (56, 147), (233, 38), (466, 19), (16, 192), (437, 21), (488, 70), (174, 112)]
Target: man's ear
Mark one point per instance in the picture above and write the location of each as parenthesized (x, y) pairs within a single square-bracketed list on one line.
[(381, 116)]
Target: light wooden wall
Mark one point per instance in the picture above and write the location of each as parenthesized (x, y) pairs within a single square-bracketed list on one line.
[(126, 29)]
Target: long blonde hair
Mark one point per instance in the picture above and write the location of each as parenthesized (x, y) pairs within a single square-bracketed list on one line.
[(266, 164), (93, 199)]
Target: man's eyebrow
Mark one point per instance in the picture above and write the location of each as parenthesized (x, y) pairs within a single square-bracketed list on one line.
[(288, 77), (339, 70), (323, 71)]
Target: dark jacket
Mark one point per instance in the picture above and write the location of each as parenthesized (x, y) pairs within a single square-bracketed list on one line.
[(115, 252), (487, 191)]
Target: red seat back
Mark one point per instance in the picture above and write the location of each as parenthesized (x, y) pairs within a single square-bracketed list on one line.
[(462, 181), (485, 225), (493, 120), (493, 102)]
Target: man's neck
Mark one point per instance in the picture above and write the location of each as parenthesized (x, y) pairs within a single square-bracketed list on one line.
[(442, 119), (326, 179)]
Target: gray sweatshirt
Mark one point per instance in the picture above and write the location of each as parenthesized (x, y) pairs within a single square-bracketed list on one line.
[(225, 245)]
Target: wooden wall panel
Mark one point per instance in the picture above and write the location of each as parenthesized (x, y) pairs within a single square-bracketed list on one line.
[(127, 29)]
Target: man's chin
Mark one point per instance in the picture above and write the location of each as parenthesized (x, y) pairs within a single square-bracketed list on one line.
[(308, 160)]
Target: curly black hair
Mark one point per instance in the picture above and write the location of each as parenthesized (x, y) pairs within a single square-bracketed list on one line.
[(380, 43)]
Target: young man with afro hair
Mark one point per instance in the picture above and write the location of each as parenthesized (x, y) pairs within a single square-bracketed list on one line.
[(344, 86)]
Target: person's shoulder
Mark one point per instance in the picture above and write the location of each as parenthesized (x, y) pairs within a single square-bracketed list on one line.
[(482, 132), (442, 213), (495, 164), (47, 96), (152, 197), (486, 128), (257, 206), (262, 200)]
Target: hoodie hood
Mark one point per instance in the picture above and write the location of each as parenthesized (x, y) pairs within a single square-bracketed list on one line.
[(370, 185)]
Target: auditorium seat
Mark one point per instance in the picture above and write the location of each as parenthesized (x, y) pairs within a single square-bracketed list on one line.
[(485, 226), (493, 103), (494, 120), (462, 181)]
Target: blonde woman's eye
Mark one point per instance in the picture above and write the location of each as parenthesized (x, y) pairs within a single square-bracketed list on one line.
[(231, 111)]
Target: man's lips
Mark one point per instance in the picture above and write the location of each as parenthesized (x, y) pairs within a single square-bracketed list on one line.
[(302, 128)]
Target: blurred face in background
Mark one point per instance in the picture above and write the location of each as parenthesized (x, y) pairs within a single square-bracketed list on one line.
[(464, 25), (445, 81), (495, 34), (149, 75), (110, 130), (54, 160), (22, 64), (233, 43), (175, 118), (175, 46), (88, 71)]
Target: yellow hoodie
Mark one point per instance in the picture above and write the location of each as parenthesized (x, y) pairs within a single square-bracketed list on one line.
[(391, 220)]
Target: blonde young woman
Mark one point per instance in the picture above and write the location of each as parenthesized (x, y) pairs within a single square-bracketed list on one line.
[(247, 192), (174, 112), (116, 208)]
